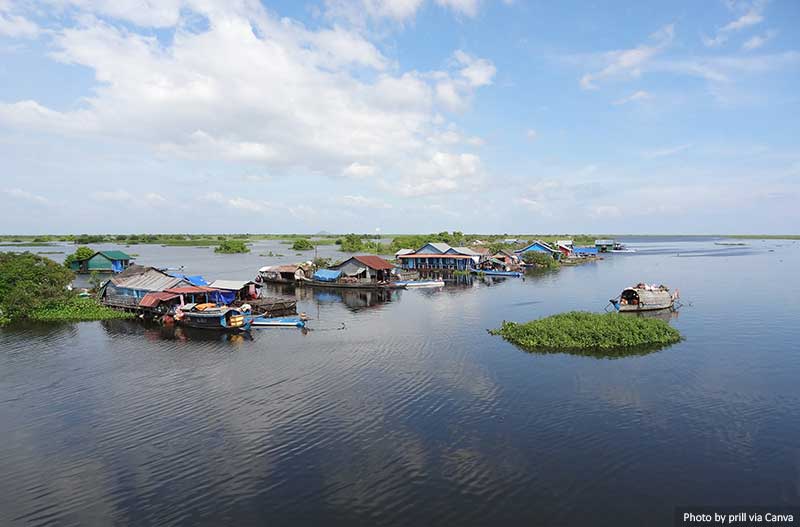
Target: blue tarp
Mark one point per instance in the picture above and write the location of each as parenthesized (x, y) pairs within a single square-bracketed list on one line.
[(584, 250), (222, 297), (327, 275), (194, 279)]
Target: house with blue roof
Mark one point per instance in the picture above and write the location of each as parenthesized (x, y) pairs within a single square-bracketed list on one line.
[(440, 256), (538, 247)]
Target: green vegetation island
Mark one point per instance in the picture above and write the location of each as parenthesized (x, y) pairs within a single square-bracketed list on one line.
[(232, 247), (579, 332), (35, 288)]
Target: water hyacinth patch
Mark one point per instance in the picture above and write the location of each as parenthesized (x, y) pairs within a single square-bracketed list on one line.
[(610, 334)]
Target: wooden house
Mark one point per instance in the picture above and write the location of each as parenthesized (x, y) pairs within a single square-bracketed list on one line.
[(102, 261), (539, 247), (368, 268), (440, 256)]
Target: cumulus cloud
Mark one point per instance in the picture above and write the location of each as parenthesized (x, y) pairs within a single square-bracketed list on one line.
[(630, 62), (252, 88), (442, 172)]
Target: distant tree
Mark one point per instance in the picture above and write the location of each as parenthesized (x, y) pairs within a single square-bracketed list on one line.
[(352, 243), (232, 247), (302, 244)]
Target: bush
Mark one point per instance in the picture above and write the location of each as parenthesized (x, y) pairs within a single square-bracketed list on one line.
[(302, 244), (81, 253), (232, 247), (541, 260), (29, 282), (610, 333), (74, 309)]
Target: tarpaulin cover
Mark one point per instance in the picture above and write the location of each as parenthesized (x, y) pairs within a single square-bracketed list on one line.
[(194, 279), (222, 297), (327, 275)]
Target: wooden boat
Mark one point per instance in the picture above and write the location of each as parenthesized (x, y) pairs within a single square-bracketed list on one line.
[(338, 284), (412, 284), (489, 272), (212, 316), (644, 297), (278, 322)]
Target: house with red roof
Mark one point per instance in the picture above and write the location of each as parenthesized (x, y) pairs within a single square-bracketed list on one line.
[(366, 267)]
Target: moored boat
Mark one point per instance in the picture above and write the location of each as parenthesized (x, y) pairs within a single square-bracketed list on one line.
[(621, 248), (212, 316), (412, 284), (488, 272), (643, 297), (277, 322)]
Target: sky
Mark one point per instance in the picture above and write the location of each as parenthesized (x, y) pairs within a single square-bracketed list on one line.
[(399, 116)]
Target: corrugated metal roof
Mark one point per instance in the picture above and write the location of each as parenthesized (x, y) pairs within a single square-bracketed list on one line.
[(374, 262), (465, 250), (115, 255), (439, 246), (404, 251), (229, 285), (604, 242), (150, 280), (189, 290), (153, 299)]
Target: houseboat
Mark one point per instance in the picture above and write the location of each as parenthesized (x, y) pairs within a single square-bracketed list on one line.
[(213, 316), (357, 272), (440, 257), (644, 297), (283, 274)]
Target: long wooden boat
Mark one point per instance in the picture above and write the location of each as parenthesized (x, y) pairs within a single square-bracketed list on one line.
[(277, 322), (220, 318), (644, 298), (413, 284), (350, 285), (515, 274)]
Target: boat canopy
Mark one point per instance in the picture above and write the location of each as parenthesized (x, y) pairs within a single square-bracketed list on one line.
[(327, 275)]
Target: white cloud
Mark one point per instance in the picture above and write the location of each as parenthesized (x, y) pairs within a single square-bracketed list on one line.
[(751, 17), (477, 72), (630, 62), (531, 134), (359, 170), (636, 96), (463, 7), (758, 41), (363, 202), (212, 94), (442, 172), (24, 195), (16, 26), (357, 11)]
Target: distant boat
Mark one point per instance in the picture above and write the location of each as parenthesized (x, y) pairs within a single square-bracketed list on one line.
[(643, 297), (515, 274), (212, 316), (621, 248), (412, 284), (281, 322)]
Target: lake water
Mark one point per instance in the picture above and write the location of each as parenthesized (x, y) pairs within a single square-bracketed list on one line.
[(413, 414)]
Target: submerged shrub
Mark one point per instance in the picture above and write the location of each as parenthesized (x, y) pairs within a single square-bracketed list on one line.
[(232, 247)]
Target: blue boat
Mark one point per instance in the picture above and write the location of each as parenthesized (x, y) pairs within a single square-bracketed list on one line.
[(515, 274), (277, 322)]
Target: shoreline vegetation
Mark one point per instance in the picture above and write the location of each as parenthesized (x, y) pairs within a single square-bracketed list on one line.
[(579, 332), (35, 288)]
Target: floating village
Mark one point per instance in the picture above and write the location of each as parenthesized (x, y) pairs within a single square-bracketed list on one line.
[(171, 297)]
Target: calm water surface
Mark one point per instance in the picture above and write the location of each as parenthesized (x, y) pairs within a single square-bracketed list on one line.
[(413, 414)]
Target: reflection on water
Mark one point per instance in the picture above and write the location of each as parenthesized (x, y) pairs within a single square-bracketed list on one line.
[(413, 414)]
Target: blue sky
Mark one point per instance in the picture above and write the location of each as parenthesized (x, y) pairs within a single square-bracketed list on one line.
[(399, 116)]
